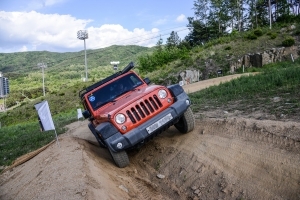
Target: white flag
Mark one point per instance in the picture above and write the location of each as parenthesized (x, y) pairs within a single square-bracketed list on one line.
[(45, 116), (79, 113)]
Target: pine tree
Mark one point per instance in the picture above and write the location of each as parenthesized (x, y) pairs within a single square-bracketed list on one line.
[(173, 41)]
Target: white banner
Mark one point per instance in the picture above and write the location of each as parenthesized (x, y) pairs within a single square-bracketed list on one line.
[(79, 113), (45, 116)]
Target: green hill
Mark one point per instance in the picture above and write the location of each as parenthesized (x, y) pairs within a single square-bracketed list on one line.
[(63, 69)]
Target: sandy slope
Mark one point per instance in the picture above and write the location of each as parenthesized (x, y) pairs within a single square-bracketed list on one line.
[(225, 157)]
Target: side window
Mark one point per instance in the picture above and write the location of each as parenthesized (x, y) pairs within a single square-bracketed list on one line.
[(136, 81)]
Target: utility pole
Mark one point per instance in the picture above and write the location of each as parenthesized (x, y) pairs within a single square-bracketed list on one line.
[(270, 14), (43, 66)]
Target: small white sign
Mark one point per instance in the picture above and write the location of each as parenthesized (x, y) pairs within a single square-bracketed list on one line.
[(79, 113), (45, 115)]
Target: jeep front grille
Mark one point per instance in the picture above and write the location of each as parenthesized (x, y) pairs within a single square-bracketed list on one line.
[(144, 108)]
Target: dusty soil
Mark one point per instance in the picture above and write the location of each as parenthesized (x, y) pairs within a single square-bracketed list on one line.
[(227, 156)]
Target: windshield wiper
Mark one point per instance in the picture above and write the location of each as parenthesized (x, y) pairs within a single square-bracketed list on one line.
[(102, 104)]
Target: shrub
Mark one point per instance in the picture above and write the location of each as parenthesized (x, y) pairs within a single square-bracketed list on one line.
[(297, 31), (258, 32), (289, 41), (228, 48), (251, 36), (234, 32), (273, 36)]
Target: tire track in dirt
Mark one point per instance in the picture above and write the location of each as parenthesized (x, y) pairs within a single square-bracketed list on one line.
[(230, 159)]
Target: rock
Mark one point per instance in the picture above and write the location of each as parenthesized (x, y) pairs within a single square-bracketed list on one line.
[(160, 176), (197, 191), (122, 187), (194, 187), (276, 99), (189, 76), (225, 190), (83, 193)]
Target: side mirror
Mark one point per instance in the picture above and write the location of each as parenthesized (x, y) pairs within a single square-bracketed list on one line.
[(147, 80), (86, 114)]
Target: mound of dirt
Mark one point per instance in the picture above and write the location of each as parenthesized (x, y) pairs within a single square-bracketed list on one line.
[(224, 157)]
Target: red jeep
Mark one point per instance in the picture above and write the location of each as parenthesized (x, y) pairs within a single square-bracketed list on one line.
[(125, 111)]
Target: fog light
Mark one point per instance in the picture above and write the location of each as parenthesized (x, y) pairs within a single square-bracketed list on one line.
[(187, 102), (124, 128), (119, 145), (169, 100)]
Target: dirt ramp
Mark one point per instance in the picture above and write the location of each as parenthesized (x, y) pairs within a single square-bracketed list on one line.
[(55, 173), (221, 159), (224, 159)]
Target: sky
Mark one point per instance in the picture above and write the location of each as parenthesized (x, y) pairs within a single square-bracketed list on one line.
[(52, 25)]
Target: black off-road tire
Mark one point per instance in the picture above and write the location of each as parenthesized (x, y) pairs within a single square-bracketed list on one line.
[(187, 122), (121, 158)]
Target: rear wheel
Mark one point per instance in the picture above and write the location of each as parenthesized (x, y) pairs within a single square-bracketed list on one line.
[(187, 122), (121, 158)]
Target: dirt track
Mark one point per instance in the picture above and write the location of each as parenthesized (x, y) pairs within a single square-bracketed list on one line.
[(225, 157)]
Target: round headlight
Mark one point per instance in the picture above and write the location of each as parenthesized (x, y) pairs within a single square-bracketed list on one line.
[(120, 118), (162, 94)]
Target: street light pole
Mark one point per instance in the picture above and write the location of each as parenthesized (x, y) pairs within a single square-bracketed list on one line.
[(43, 66), (83, 35)]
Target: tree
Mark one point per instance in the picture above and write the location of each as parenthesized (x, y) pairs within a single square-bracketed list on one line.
[(219, 18), (198, 32), (202, 11), (159, 44), (173, 40)]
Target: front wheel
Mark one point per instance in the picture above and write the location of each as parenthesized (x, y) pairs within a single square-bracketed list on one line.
[(121, 158), (187, 122)]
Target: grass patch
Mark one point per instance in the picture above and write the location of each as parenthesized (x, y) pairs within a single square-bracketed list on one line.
[(23, 138), (279, 80)]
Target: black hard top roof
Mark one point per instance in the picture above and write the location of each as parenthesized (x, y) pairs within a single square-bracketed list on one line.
[(90, 88)]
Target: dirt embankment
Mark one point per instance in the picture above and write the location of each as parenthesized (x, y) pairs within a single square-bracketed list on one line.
[(223, 158)]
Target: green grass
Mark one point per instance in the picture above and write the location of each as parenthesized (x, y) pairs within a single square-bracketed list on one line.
[(256, 92), (23, 138)]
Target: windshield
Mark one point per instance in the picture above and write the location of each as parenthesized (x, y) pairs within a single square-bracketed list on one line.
[(109, 92)]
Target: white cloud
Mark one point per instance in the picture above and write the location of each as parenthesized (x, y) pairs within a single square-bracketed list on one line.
[(181, 18), (23, 48), (115, 34), (33, 28), (52, 32)]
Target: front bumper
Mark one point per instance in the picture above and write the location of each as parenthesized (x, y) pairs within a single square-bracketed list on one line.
[(118, 142)]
